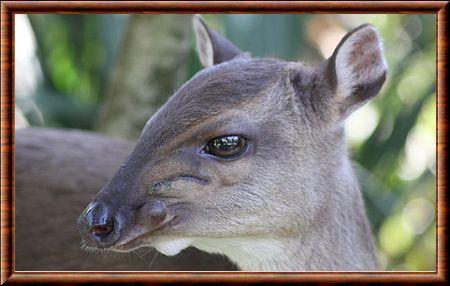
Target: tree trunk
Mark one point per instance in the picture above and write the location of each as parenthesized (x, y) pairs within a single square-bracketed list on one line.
[(151, 65), (57, 174)]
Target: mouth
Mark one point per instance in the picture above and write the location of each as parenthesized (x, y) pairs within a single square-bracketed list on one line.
[(141, 236)]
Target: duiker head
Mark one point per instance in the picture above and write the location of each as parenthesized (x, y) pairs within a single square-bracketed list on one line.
[(247, 148)]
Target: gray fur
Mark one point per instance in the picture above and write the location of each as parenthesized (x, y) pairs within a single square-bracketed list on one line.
[(291, 202)]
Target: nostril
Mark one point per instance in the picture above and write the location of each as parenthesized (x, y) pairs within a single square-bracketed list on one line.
[(103, 230)]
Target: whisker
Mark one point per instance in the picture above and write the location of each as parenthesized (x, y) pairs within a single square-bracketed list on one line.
[(94, 250), (141, 253), (153, 260)]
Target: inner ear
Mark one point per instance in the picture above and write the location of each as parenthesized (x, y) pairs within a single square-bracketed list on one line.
[(212, 47), (357, 69)]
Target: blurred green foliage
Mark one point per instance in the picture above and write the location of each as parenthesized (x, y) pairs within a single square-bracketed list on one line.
[(393, 143), (76, 53)]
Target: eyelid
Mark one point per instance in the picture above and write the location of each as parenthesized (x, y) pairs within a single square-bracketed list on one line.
[(209, 139)]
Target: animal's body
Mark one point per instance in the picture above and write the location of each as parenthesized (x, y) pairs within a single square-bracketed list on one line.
[(248, 159)]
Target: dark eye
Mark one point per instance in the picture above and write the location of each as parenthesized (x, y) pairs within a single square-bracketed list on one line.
[(229, 146)]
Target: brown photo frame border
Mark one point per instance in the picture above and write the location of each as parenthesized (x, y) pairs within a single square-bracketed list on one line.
[(9, 8)]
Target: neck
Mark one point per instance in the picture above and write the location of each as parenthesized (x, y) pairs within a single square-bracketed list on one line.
[(337, 239), (326, 248)]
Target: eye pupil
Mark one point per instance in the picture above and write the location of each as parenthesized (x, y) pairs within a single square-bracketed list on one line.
[(226, 146), (226, 143)]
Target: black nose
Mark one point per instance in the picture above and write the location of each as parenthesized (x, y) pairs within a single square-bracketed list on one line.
[(99, 225), (103, 230)]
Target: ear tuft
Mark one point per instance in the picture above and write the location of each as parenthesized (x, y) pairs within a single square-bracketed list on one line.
[(359, 67), (212, 48)]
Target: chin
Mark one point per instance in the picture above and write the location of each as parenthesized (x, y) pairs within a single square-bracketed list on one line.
[(170, 245), (165, 244)]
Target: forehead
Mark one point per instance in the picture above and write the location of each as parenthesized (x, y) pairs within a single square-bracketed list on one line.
[(212, 91), (228, 84)]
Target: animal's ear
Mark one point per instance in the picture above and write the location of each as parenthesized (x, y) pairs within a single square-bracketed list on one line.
[(357, 69), (212, 48)]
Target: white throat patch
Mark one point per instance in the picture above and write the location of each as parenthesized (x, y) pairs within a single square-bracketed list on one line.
[(249, 253)]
